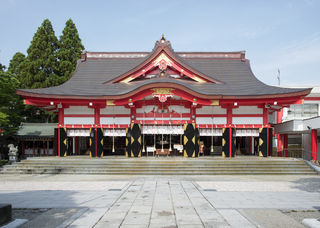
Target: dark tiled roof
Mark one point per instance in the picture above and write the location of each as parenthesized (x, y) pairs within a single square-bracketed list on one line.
[(236, 75), (36, 130)]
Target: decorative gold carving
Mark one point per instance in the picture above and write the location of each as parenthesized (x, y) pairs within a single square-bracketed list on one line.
[(128, 79), (198, 79), (110, 102), (164, 91), (164, 57), (223, 142), (214, 102), (260, 142)]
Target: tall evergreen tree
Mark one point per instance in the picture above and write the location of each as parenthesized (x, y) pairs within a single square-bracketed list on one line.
[(40, 69), (11, 104), (15, 65), (2, 67), (70, 49)]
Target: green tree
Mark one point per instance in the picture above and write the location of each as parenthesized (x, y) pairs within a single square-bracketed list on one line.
[(70, 49), (40, 69), (2, 67), (11, 104), (15, 65)]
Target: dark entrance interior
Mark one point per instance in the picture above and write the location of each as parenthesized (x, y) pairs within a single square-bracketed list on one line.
[(114, 145)]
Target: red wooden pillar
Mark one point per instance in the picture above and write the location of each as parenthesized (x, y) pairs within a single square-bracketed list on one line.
[(61, 122), (229, 115), (285, 144), (250, 145), (265, 116), (280, 144), (96, 116), (314, 143), (268, 139), (279, 137), (61, 116), (230, 142)]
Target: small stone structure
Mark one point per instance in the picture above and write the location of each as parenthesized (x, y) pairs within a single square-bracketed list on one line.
[(13, 153)]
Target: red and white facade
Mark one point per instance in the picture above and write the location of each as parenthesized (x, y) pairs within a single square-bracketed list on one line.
[(164, 97)]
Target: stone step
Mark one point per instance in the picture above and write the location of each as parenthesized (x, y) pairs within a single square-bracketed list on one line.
[(131, 166), (159, 169), (159, 165), (167, 173), (154, 167)]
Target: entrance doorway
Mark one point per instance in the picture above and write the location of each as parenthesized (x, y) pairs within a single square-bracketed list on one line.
[(114, 145), (212, 145), (163, 144), (78, 145)]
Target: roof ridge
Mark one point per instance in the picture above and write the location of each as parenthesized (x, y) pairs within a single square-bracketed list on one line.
[(107, 55)]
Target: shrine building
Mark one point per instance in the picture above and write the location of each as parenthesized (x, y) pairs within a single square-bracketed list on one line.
[(164, 103)]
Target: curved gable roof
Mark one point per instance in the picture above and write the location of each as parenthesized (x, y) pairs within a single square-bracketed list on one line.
[(230, 71)]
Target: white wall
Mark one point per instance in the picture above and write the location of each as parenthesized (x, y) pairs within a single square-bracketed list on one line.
[(110, 110), (78, 120), (247, 120), (209, 120), (78, 110), (211, 110), (116, 120), (247, 110), (164, 118)]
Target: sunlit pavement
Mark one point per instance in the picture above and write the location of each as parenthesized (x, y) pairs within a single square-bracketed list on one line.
[(162, 201)]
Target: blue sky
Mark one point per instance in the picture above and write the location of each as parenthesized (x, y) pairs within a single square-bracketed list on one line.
[(275, 34)]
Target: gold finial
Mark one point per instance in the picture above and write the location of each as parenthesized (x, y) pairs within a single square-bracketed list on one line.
[(162, 40)]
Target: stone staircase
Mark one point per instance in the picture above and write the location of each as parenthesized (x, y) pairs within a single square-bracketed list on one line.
[(160, 166)]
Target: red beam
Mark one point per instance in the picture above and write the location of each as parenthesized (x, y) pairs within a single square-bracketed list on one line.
[(78, 115), (164, 115), (252, 126)]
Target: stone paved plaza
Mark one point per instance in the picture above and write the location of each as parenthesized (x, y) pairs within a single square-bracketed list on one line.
[(161, 201)]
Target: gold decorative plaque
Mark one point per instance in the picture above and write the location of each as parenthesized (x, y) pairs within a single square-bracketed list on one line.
[(110, 102), (214, 102), (163, 91)]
